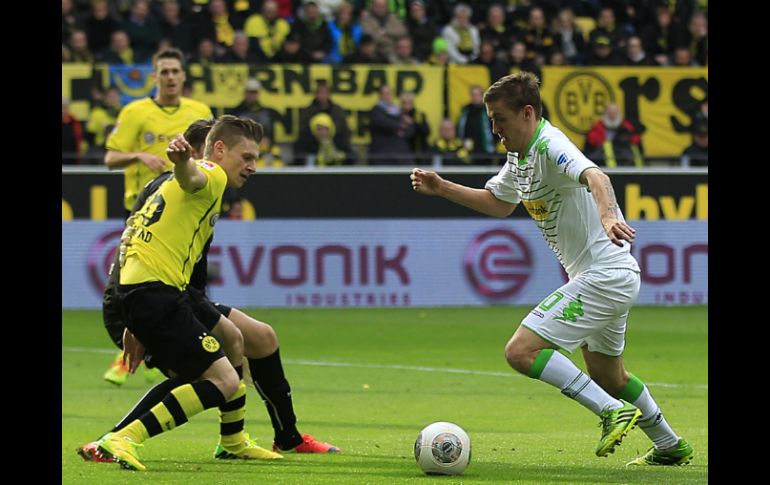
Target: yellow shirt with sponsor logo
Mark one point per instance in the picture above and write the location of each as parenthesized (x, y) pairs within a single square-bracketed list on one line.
[(171, 229), (145, 126)]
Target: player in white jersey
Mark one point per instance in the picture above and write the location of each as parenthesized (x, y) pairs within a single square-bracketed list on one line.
[(574, 205)]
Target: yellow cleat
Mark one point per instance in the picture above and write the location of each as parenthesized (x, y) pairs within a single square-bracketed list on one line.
[(246, 449), (123, 450)]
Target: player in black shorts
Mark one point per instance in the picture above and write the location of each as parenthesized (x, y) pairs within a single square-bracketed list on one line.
[(260, 347)]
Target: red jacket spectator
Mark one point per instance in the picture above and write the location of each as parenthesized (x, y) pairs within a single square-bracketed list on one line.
[(614, 141)]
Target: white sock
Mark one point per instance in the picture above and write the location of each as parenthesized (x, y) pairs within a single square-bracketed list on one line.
[(560, 372), (653, 423)]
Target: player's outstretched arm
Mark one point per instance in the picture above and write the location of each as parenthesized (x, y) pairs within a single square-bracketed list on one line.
[(186, 172), (601, 187), (481, 200)]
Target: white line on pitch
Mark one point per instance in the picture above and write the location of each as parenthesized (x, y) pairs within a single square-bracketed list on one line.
[(394, 366)]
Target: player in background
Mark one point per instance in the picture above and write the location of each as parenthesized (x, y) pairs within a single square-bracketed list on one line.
[(573, 204), (260, 347), (139, 140)]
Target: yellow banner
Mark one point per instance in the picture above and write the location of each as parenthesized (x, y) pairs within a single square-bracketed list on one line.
[(661, 99), (461, 80), (288, 88)]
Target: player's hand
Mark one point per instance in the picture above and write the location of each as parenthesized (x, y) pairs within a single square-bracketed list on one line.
[(153, 163), (424, 182), (618, 231), (133, 350), (179, 150)]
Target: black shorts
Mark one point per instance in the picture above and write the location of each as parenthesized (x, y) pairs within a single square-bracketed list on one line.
[(111, 316), (207, 311), (162, 318)]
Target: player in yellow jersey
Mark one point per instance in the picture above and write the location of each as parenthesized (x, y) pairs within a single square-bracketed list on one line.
[(146, 126), (260, 348), (138, 145), (168, 236)]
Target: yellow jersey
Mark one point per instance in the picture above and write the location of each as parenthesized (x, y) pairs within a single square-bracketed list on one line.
[(145, 126), (171, 229)]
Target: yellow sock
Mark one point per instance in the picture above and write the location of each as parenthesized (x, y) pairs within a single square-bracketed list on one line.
[(136, 431)]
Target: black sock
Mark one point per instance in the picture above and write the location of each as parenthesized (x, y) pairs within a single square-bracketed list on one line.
[(150, 399), (272, 385)]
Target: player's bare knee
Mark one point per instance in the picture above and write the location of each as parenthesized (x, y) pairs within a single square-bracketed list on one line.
[(228, 382), (518, 357)]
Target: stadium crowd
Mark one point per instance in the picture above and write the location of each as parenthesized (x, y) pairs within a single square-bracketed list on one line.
[(501, 35)]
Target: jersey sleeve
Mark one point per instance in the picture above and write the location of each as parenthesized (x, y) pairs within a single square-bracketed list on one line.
[(217, 179), (502, 186), (126, 131), (567, 158)]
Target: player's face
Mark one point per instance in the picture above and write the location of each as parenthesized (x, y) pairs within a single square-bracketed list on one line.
[(170, 77), (239, 161), (513, 128)]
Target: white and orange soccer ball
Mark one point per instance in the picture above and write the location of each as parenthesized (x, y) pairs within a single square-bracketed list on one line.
[(442, 448)]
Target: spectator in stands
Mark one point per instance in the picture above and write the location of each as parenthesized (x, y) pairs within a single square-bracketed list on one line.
[(323, 130), (217, 24), (451, 149), (635, 54), (306, 142), (72, 139), (291, 51), (496, 32), (602, 53), (462, 37), (569, 37), (440, 56), (418, 141), (518, 58), (346, 33), (99, 26), (315, 37), (402, 54), (206, 54), (269, 153), (606, 26), (390, 132), (120, 51), (268, 28), (179, 30), (69, 21), (474, 127), (697, 154), (101, 121), (422, 30), (243, 51), (695, 38), (252, 108), (613, 141), (142, 29), (660, 38), (78, 47), (538, 37), (682, 57), (557, 58), (488, 57), (384, 27), (366, 53)]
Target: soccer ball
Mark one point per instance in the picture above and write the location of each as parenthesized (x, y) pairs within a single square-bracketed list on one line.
[(442, 449)]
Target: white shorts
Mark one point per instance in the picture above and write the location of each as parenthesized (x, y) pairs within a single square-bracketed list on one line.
[(592, 310)]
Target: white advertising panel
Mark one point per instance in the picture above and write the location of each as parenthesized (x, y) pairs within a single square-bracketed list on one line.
[(393, 262)]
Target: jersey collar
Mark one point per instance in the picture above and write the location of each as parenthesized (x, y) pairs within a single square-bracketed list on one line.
[(523, 159)]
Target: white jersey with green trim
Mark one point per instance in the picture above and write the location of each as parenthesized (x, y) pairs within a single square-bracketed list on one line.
[(547, 183)]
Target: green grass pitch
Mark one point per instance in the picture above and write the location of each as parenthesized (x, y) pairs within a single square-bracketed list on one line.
[(368, 380)]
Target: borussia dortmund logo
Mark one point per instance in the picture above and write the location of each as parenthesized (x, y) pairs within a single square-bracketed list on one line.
[(209, 343)]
